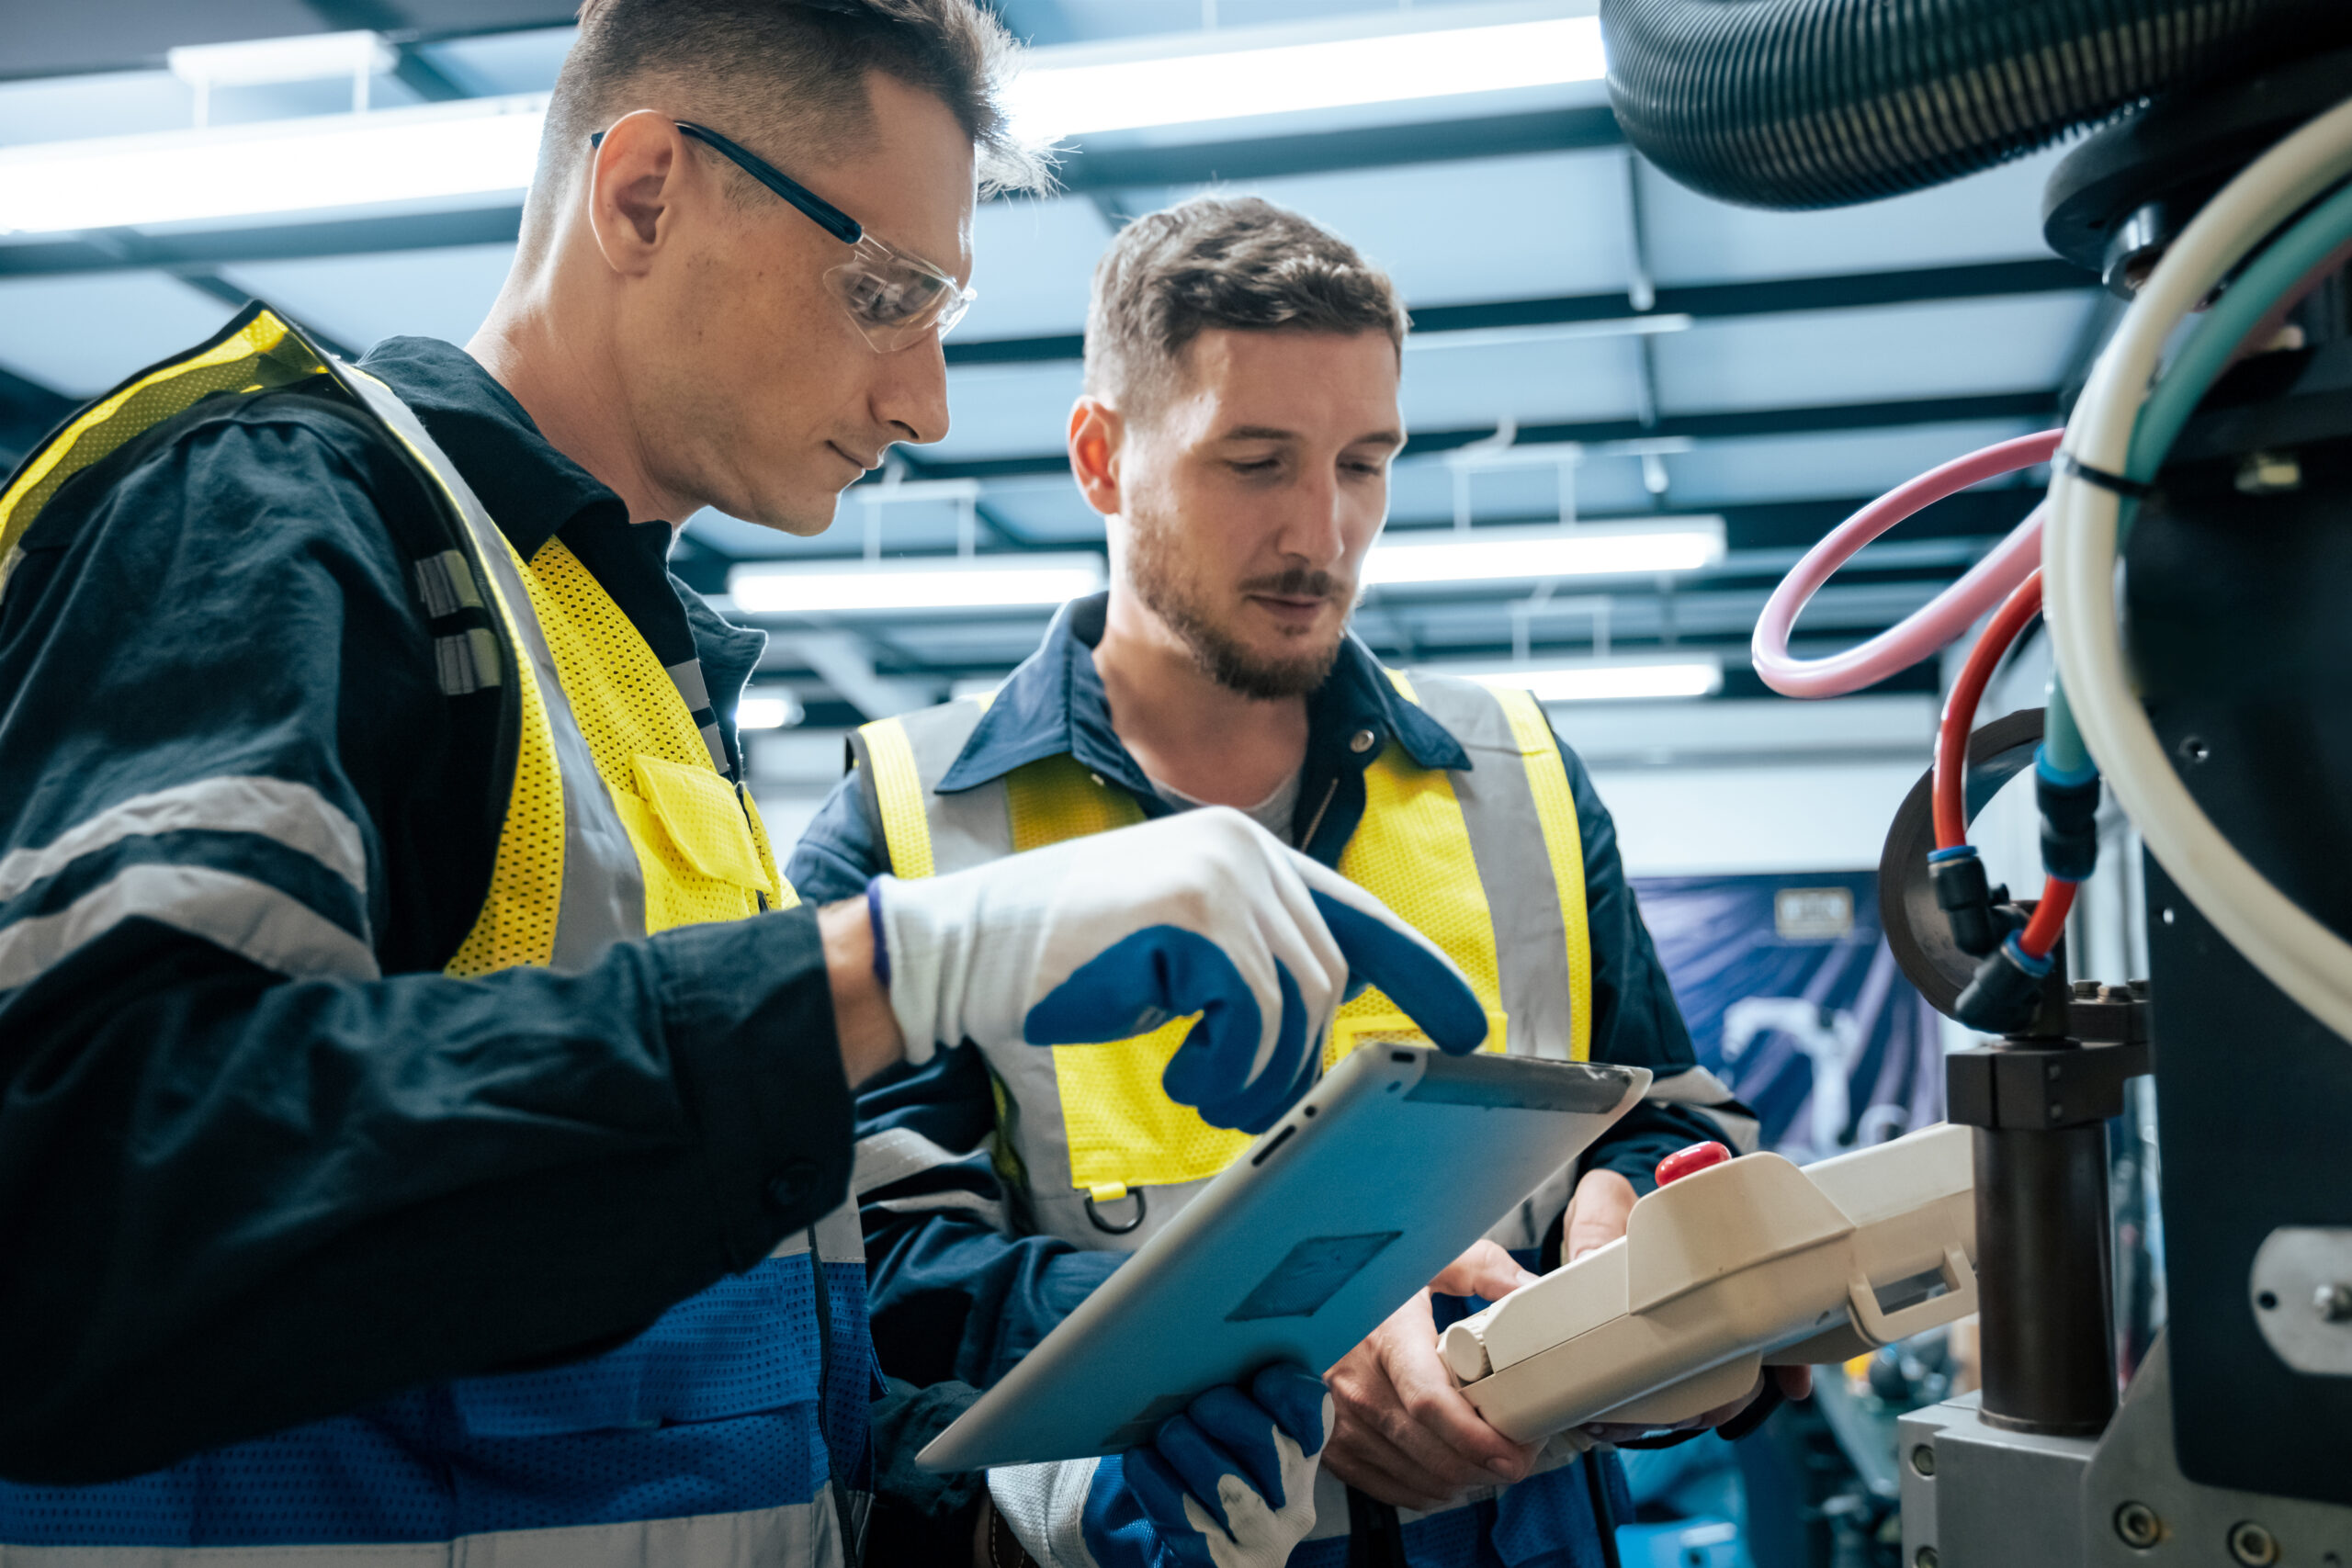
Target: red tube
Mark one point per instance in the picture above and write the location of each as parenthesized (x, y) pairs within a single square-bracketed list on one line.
[(2049, 923), (1960, 709)]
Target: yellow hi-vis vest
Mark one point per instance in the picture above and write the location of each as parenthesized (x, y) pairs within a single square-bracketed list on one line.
[(1487, 863), (618, 824)]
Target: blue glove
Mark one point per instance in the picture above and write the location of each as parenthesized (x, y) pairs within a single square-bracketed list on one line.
[(1228, 1483), (1108, 937)]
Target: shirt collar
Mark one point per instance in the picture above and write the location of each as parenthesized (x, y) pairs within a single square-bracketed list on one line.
[(1053, 704), (528, 488)]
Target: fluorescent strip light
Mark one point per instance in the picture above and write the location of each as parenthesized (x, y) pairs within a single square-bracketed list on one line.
[(950, 582), (1549, 331), (260, 62), (473, 148), (1050, 102), (773, 712), (1603, 679), (1586, 549)]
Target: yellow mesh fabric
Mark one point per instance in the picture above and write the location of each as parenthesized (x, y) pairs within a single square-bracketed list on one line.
[(260, 355), (1412, 853), (628, 709), (781, 894), (1555, 809), (1121, 1126), (516, 925)]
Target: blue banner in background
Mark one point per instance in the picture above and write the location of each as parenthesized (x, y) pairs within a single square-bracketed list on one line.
[(1794, 1000)]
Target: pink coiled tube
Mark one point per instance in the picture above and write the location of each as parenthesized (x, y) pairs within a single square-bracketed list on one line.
[(1936, 624)]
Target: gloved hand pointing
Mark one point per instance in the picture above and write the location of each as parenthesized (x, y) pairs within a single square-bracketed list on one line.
[(1107, 937)]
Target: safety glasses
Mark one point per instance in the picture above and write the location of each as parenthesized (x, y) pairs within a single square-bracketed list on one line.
[(894, 297)]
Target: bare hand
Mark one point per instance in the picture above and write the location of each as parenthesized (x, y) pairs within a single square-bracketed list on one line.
[(1402, 1431), (1597, 1214)]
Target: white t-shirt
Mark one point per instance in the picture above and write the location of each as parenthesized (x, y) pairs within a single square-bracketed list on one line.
[(1273, 814)]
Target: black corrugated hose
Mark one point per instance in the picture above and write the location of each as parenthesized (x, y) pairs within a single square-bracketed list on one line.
[(1821, 103)]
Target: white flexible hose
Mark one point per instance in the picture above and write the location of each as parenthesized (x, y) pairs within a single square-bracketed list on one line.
[(2298, 954)]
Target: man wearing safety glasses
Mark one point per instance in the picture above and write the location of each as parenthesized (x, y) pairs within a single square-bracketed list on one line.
[(424, 1111)]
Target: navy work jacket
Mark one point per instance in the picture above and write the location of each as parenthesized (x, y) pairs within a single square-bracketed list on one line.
[(954, 1299), (233, 1198)]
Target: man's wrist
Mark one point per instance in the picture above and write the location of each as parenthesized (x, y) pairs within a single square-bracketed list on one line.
[(863, 1021)]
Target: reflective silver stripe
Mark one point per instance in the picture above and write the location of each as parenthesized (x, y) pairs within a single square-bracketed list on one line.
[(446, 583), (716, 746), (687, 678), (293, 815), (840, 1238), (793, 1534), (1046, 1505), (602, 900), (467, 662), (1507, 845), (250, 918), (895, 1154)]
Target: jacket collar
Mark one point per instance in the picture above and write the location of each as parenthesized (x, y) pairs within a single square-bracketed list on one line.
[(532, 490), (1053, 705)]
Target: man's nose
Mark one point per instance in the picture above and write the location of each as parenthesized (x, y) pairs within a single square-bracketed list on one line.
[(910, 395), (1312, 528)]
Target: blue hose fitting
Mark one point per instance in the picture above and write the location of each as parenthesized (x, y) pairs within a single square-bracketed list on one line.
[(2005, 991), (2069, 803), (1970, 906)]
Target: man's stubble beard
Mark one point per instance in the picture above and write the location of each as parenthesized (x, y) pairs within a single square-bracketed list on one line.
[(1156, 572)]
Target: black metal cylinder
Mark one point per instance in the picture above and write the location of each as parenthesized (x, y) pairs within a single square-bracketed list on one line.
[(2042, 1280)]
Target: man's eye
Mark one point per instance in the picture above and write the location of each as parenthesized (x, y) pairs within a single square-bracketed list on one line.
[(889, 300), (1259, 465)]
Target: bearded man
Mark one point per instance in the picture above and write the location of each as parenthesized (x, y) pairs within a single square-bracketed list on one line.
[(1240, 417)]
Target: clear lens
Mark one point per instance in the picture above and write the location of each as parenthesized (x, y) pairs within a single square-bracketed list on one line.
[(895, 298)]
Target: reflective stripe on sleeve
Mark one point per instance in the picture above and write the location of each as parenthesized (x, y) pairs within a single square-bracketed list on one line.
[(291, 814), (246, 916)]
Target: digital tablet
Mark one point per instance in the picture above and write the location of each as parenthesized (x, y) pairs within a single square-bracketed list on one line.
[(1384, 1174)]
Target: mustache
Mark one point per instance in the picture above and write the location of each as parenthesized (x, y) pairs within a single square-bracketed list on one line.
[(1300, 582)]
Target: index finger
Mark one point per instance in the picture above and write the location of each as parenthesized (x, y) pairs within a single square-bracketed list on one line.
[(1412, 970)]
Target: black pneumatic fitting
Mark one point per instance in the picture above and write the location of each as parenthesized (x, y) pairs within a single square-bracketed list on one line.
[(2069, 825), (1967, 902), (2003, 994)]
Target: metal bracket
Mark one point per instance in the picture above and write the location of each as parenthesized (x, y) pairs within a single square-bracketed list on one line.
[(2300, 1286)]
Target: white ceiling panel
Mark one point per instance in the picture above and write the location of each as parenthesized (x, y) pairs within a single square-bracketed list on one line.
[(1885, 352), (1489, 229), (1032, 263), (1994, 216), (1457, 389), (361, 299), (1003, 411), (1801, 467), (82, 335)]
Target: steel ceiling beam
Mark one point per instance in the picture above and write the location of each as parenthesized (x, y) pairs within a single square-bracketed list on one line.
[(1704, 301), (1730, 424)]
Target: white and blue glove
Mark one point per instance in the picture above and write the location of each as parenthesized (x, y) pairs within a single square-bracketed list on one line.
[(1108, 937), (1228, 1483)]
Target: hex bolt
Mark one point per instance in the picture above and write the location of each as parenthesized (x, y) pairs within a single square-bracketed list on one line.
[(2253, 1545), (1924, 1558), (1923, 1460), (2138, 1527), (2269, 473), (2333, 1303), (2085, 990)]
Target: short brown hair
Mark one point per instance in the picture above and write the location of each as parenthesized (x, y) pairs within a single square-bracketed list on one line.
[(1231, 261), (780, 75)]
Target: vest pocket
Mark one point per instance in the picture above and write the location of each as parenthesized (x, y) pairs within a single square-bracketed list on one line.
[(693, 845)]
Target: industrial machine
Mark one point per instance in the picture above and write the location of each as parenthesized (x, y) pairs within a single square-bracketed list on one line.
[(2194, 561)]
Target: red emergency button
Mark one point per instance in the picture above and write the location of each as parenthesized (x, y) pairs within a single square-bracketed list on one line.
[(1690, 1161)]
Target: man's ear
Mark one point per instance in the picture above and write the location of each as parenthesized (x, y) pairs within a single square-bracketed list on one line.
[(1096, 431), (635, 180)]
